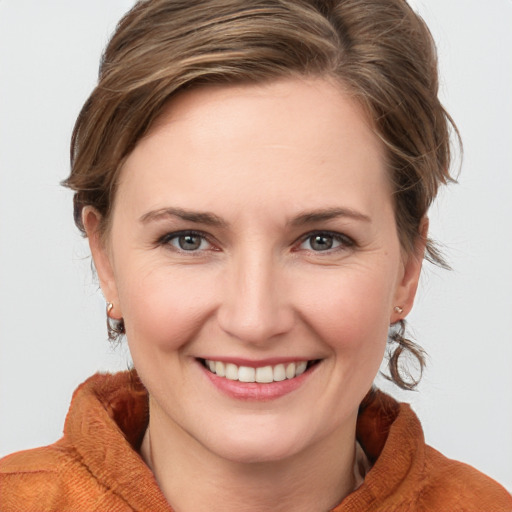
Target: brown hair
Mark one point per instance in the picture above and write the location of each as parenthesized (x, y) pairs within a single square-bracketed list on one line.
[(379, 50)]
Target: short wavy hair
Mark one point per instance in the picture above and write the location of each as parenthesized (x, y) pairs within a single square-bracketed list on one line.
[(381, 51)]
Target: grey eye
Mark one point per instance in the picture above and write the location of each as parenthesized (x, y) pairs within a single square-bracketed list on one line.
[(321, 242), (186, 241), (189, 242)]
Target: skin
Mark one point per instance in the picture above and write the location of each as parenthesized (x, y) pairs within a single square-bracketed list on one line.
[(258, 158)]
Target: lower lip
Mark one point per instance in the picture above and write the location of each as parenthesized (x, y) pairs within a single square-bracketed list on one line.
[(254, 390)]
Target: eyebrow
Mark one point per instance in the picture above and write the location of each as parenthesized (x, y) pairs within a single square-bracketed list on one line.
[(322, 215), (210, 219)]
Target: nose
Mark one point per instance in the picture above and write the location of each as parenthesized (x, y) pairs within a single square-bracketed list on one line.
[(255, 308)]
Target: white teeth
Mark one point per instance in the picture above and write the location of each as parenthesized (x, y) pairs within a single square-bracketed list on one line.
[(246, 374), (231, 371), (219, 369), (301, 368), (262, 374), (280, 373), (290, 371)]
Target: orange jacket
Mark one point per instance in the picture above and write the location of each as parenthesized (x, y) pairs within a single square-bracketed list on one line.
[(95, 466)]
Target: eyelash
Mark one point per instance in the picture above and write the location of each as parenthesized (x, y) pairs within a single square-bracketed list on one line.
[(345, 242), (176, 235)]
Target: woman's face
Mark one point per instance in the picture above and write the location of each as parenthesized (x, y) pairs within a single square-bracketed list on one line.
[(253, 232)]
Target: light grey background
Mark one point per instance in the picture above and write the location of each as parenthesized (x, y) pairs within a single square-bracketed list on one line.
[(52, 333)]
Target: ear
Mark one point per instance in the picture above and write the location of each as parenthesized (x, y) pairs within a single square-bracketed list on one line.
[(406, 290), (101, 256)]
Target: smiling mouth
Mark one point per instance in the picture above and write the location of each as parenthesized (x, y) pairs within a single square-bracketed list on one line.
[(262, 374)]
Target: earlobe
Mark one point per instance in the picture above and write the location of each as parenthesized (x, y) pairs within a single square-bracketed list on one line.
[(406, 290), (91, 219)]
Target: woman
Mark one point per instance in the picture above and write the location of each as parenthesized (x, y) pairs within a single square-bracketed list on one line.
[(253, 179)]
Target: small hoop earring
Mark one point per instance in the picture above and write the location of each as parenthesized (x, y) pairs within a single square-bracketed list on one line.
[(398, 309), (115, 327)]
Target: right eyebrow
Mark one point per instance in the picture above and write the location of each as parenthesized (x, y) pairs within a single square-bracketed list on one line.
[(210, 219)]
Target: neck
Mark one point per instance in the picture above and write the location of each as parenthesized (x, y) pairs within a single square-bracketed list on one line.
[(193, 478)]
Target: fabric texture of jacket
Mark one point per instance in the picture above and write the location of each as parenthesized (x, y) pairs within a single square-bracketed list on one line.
[(96, 464)]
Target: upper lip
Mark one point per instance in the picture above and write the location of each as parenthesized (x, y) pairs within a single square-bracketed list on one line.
[(252, 363)]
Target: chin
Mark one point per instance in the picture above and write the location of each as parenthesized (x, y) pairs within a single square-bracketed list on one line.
[(268, 442), (255, 451)]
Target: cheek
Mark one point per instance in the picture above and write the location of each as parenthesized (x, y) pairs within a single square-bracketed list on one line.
[(349, 310), (352, 320), (163, 308)]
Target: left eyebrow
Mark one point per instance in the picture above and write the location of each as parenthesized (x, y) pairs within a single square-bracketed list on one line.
[(321, 215)]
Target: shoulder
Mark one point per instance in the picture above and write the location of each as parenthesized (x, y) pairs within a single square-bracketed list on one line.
[(452, 485), (408, 474), (51, 478), (95, 464)]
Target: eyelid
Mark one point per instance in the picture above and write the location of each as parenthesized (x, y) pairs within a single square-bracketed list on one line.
[(345, 240), (165, 240)]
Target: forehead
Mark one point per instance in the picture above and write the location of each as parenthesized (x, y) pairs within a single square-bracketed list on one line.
[(287, 140), (303, 106)]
